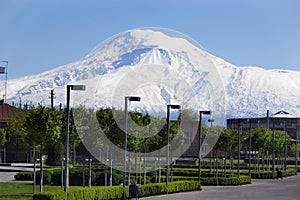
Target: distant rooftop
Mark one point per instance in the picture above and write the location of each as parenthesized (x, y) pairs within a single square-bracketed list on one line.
[(283, 114)]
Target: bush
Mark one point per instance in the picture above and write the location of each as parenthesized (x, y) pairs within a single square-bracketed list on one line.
[(24, 176), (53, 176), (28, 176), (226, 181), (46, 177), (116, 192), (100, 178), (269, 174), (53, 195), (56, 177)]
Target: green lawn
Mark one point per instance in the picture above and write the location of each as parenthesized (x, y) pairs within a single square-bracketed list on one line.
[(21, 191)]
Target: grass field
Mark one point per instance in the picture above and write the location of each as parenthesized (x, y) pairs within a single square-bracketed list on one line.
[(21, 191)]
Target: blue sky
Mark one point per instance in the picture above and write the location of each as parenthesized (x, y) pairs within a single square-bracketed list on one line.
[(40, 35)]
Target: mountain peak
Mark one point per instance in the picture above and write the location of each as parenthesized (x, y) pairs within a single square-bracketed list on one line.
[(248, 90)]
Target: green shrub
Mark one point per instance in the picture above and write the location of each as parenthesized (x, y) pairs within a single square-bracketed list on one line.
[(53, 195), (24, 176), (56, 177), (46, 177), (226, 181), (76, 177), (116, 192), (28, 176), (100, 178), (53, 176), (269, 174)]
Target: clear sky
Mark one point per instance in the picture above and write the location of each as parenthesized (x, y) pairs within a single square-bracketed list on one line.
[(38, 35)]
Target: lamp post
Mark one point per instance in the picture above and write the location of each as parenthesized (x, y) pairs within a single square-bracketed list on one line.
[(4, 71), (168, 140), (273, 150), (127, 98), (34, 170), (250, 146), (285, 146), (90, 171), (62, 172), (296, 154), (201, 112), (211, 151), (239, 148), (69, 88)]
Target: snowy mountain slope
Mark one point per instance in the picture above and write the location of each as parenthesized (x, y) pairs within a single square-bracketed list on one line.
[(184, 73)]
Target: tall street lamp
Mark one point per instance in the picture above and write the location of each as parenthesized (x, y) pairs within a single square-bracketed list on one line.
[(127, 98), (211, 151), (201, 112), (89, 160), (273, 149), (4, 71), (285, 146), (239, 148), (168, 139), (250, 146), (297, 153), (69, 88)]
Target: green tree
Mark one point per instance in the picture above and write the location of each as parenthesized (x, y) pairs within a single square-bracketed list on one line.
[(2, 140), (42, 126), (294, 148), (2, 136), (16, 126)]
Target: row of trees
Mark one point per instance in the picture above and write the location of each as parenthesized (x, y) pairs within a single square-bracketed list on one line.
[(44, 128), (259, 141)]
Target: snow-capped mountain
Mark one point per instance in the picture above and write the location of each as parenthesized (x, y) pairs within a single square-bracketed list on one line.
[(171, 69)]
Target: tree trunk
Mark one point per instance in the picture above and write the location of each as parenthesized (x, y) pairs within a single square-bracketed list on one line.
[(145, 180), (225, 158), (258, 161), (34, 168), (263, 160), (231, 164)]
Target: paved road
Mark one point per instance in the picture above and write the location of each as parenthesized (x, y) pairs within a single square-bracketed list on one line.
[(7, 176), (7, 173), (286, 189)]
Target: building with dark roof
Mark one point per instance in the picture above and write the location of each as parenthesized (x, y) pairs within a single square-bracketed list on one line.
[(281, 120)]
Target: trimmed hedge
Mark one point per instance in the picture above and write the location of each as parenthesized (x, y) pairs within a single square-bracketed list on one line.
[(28, 176), (116, 192), (53, 177), (226, 181), (269, 174)]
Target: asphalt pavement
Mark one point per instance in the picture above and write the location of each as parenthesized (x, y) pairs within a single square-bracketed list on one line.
[(278, 189), (7, 172)]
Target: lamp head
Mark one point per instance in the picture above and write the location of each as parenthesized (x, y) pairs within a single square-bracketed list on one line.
[(76, 87), (134, 98), (205, 112), (174, 106)]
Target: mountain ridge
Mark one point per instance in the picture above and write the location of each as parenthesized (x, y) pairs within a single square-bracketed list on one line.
[(249, 90)]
